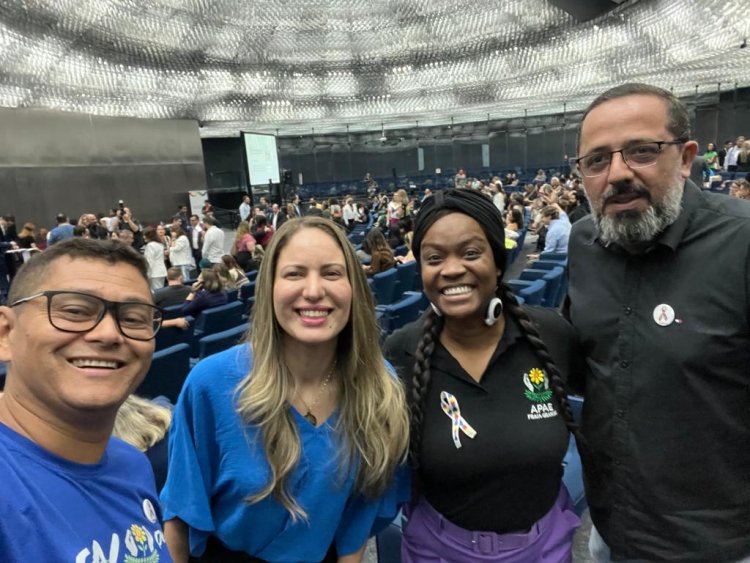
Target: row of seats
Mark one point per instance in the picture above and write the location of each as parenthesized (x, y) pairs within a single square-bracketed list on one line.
[(545, 283), (212, 331)]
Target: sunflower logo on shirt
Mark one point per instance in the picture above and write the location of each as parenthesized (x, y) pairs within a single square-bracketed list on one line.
[(537, 386)]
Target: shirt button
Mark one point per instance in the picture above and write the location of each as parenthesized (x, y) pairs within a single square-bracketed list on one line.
[(624, 364), (628, 310), (617, 462), (620, 414)]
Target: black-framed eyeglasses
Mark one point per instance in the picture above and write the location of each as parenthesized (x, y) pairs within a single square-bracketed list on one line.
[(72, 311), (640, 155)]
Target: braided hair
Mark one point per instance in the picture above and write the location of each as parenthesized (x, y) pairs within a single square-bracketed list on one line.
[(484, 212)]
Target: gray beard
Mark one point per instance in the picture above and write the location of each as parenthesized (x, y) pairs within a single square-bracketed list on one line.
[(633, 228)]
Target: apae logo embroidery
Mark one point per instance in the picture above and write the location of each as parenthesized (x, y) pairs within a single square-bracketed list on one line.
[(538, 392)]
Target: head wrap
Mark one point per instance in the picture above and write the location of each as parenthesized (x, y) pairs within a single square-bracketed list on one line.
[(469, 202)]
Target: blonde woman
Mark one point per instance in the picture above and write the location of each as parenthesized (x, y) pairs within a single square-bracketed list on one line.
[(397, 207), (285, 449), (144, 424)]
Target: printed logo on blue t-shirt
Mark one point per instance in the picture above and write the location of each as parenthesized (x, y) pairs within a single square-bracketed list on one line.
[(137, 544)]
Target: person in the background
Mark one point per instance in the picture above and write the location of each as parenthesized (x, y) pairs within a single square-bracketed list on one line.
[(144, 425), (263, 232), (377, 248), (180, 254), (175, 292), (62, 231), (285, 449), (154, 254), (460, 180), (245, 208), (213, 243), (27, 236), (208, 291), (711, 159), (234, 272)]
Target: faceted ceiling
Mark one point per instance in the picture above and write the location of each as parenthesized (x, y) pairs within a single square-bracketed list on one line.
[(297, 67)]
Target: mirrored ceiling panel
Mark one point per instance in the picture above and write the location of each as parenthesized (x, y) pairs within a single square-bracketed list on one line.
[(291, 66)]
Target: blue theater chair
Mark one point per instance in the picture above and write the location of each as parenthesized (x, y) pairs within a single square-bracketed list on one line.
[(559, 256), (221, 341), (384, 284), (531, 291), (247, 291), (407, 277), (403, 312), (553, 278), (216, 319), (167, 373)]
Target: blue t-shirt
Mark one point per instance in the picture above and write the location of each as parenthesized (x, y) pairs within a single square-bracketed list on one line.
[(52, 509), (216, 461)]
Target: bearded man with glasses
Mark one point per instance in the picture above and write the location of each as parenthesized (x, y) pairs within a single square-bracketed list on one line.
[(659, 293), (77, 337)]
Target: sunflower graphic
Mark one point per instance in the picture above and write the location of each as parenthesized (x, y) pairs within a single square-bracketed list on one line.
[(537, 386), (536, 376)]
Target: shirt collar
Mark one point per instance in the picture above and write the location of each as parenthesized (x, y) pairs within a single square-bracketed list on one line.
[(673, 234)]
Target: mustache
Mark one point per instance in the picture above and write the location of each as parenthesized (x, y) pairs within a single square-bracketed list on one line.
[(625, 188)]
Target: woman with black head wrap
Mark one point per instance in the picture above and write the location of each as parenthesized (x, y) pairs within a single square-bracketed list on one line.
[(490, 420)]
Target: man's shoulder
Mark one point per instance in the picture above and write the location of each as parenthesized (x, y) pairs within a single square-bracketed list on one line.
[(583, 230), (722, 204)]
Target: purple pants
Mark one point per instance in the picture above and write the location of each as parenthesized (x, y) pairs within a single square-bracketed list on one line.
[(429, 538)]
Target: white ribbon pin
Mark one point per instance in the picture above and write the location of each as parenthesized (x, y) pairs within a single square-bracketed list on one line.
[(450, 407)]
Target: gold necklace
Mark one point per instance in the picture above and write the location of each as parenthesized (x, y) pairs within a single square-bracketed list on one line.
[(311, 418)]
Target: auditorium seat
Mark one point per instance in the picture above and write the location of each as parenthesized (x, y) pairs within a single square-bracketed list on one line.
[(251, 275), (167, 373), (247, 291), (172, 312), (553, 278), (403, 312), (559, 256), (401, 250), (221, 341), (171, 336), (216, 319), (407, 277), (531, 291), (233, 294), (385, 286)]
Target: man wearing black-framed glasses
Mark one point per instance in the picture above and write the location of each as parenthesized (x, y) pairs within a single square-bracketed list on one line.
[(659, 293), (77, 336)]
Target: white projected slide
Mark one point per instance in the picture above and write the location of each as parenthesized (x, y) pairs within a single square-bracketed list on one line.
[(262, 159)]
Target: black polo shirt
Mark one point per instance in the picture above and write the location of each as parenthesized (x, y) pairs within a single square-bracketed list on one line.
[(508, 476), (667, 342)]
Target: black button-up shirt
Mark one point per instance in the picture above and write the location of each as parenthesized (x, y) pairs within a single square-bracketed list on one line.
[(667, 408)]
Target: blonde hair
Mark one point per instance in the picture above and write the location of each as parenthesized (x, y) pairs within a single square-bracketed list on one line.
[(373, 424), (141, 423), (242, 229)]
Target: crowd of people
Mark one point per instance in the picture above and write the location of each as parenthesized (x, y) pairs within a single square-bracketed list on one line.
[(307, 438)]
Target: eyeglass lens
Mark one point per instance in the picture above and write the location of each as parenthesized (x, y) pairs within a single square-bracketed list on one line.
[(76, 312), (636, 156)]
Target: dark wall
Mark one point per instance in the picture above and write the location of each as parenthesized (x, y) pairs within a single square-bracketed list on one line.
[(53, 162), (541, 141)]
